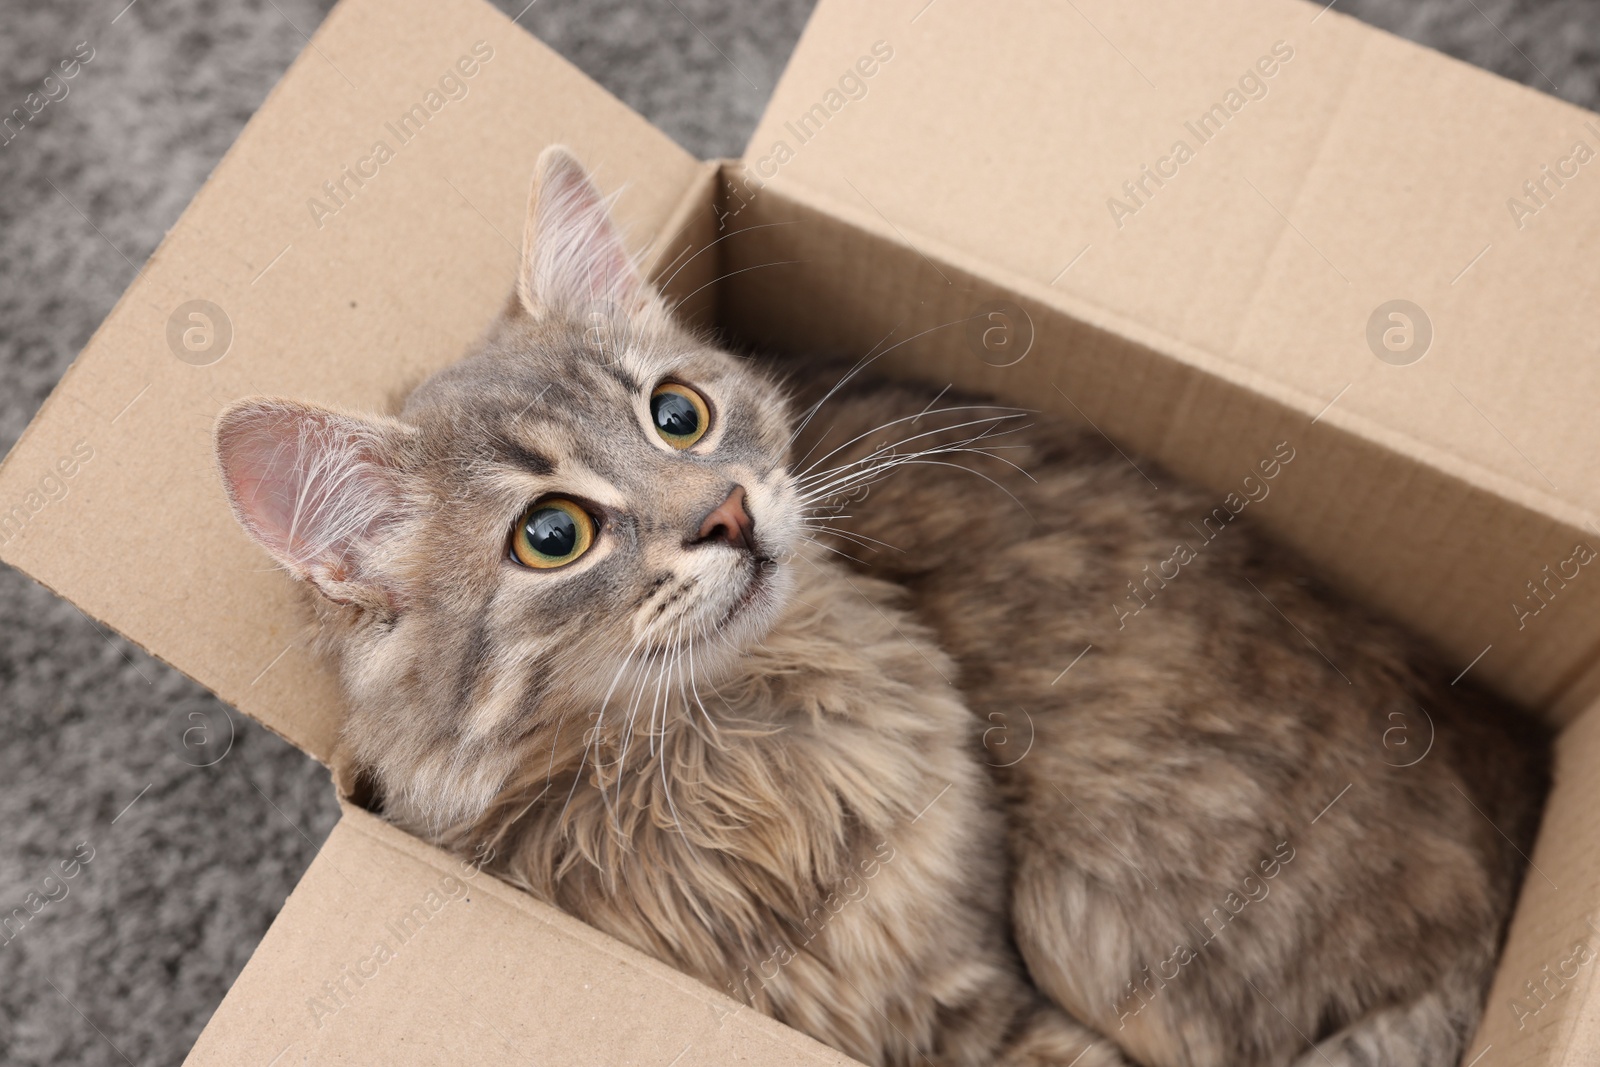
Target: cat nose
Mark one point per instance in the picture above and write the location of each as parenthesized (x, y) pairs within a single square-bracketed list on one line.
[(729, 522)]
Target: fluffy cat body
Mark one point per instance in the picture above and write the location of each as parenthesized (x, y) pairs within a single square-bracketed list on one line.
[(1243, 813), (710, 737)]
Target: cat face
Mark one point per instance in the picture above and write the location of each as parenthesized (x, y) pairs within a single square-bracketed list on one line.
[(594, 497)]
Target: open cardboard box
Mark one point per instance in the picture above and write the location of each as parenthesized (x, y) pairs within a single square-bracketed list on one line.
[(999, 192)]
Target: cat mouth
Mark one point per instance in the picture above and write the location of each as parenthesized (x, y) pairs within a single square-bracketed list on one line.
[(757, 589)]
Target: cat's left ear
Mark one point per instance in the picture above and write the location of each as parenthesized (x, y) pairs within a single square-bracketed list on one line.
[(573, 259)]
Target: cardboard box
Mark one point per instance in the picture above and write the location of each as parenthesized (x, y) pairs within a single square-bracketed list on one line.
[(940, 164)]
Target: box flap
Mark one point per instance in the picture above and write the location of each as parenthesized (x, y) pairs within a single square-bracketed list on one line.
[(360, 233), (1328, 171), (393, 952)]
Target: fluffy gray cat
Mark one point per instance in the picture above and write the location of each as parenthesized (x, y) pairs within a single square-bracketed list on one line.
[(1044, 769)]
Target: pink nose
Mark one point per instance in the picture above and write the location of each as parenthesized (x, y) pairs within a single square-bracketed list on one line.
[(729, 522)]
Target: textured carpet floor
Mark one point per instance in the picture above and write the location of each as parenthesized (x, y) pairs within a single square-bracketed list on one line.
[(128, 965)]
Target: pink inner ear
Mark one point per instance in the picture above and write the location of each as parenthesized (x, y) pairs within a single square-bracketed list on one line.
[(573, 257), (309, 485)]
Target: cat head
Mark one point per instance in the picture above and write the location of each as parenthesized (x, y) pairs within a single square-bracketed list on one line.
[(594, 491)]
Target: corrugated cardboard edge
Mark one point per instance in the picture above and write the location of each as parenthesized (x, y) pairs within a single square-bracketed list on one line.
[(678, 263)]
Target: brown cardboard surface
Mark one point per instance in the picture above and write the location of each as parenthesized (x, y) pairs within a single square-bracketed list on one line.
[(347, 307), (393, 952), (1370, 170)]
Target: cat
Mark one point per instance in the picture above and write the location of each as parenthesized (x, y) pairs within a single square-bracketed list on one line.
[(598, 615)]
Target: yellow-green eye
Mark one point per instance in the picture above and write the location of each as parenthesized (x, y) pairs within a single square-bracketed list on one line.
[(552, 533), (680, 414)]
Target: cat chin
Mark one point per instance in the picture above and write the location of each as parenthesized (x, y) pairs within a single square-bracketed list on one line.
[(754, 597), (760, 607), (754, 610)]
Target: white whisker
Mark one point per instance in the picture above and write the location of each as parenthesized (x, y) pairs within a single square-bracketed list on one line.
[(825, 495), (811, 413), (829, 548), (912, 419), (859, 538), (866, 360), (811, 483)]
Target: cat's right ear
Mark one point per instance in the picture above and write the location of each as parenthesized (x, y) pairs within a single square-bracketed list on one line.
[(319, 490)]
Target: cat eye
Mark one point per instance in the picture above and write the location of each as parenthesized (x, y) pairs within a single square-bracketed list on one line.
[(552, 533), (680, 415)]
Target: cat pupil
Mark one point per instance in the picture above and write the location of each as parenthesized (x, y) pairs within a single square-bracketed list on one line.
[(552, 532), (674, 414)]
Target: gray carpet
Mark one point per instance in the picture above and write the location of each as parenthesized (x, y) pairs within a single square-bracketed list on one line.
[(128, 965)]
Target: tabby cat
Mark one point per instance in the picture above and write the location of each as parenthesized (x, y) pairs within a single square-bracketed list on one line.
[(919, 780)]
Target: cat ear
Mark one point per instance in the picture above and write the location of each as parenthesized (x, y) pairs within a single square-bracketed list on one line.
[(573, 258), (318, 490)]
